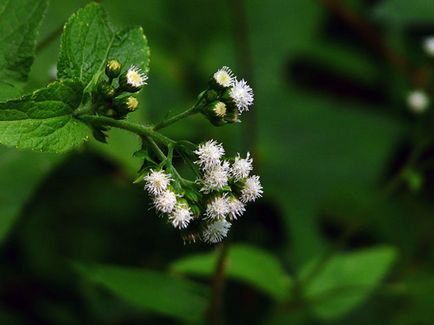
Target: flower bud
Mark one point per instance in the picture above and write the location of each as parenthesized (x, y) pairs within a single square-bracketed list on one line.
[(113, 69), (127, 104), (106, 90), (215, 113)]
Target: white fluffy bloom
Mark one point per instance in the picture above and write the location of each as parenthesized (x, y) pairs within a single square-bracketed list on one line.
[(216, 231), (165, 202), (224, 77), (181, 216), (209, 154), (241, 167), (135, 77), (215, 178), (252, 189), (428, 45), (236, 208), (157, 181), (417, 101), (217, 208), (242, 95)]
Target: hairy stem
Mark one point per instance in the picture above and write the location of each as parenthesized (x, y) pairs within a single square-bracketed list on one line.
[(139, 129), (214, 309), (193, 110)]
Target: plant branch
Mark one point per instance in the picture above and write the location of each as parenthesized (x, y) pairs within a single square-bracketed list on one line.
[(218, 285), (139, 129), (193, 110)]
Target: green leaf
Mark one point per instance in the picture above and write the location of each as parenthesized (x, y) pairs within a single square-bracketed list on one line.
[(150, 290), (21, 172), (43, 121), (89, 40), (346, 280), (19, 26), (246, 263), (403, 12)]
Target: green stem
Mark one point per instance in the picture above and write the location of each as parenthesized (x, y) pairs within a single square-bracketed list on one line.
[(191, 111), (139, 129)]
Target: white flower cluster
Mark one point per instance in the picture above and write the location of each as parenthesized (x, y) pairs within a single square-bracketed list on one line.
[(227, 188), (165, 200), (240, 92)]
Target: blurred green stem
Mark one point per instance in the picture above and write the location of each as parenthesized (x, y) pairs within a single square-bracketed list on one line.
[(193, 110), (214, 309)]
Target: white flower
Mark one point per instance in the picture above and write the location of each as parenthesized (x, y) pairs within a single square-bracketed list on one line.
[(216, 231), (165, 202), (236, 208), (209, 154), (181, 216), (156, 182), (135, 77), (215, 178), (218, 208), (241, 168), (242, 95), (224, 77), (252, 189), (428, 45), (418, 101), (220, 109)]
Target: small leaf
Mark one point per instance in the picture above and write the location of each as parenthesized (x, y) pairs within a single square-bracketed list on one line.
[(43, 121), (245, 263), (89, 40), (19, 25), (150, 290), (347, 280)]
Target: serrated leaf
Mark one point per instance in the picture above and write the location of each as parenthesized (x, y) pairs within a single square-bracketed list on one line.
[(43, 121), (89, 40), (150, 290), (346, 280), (246, 263), (19, 25)]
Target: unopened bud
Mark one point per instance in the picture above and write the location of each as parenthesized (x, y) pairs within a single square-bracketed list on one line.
[(113, 69)]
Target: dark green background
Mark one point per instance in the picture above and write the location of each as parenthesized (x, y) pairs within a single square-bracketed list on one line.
[(334, 144)]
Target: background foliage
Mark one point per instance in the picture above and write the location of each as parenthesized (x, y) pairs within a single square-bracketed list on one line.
[(344, 232)]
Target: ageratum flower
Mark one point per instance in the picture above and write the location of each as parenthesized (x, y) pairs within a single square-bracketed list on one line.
[(209, 154), (241, 167), (224, 77), (236, 208), (252, 189), (181, 216), (157, 181), (215, 178), (165, 202), (242, 95), (216, 231), (217, 208)]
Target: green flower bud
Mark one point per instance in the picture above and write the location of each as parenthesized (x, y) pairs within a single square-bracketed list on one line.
[(211, 95), (113, 69), (106, 90), (126, 104), (215, 113)]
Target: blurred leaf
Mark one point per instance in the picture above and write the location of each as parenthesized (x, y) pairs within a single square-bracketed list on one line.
[(21, 172), (19, 23), (89, 40), (405, 12), (346, 280), (246, 263), (150, 290), (43, 121)]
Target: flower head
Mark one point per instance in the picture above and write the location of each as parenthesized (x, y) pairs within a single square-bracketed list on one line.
[(236, 208), (217, 208), (428, 45), (181, 216), (242, 95), (209, 154), (224, 77), (252, 189), (215, 178), (418, 101), (241, 167), (157, 181), (216, 231), (135, 77), (219, 109), (165, 202)]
